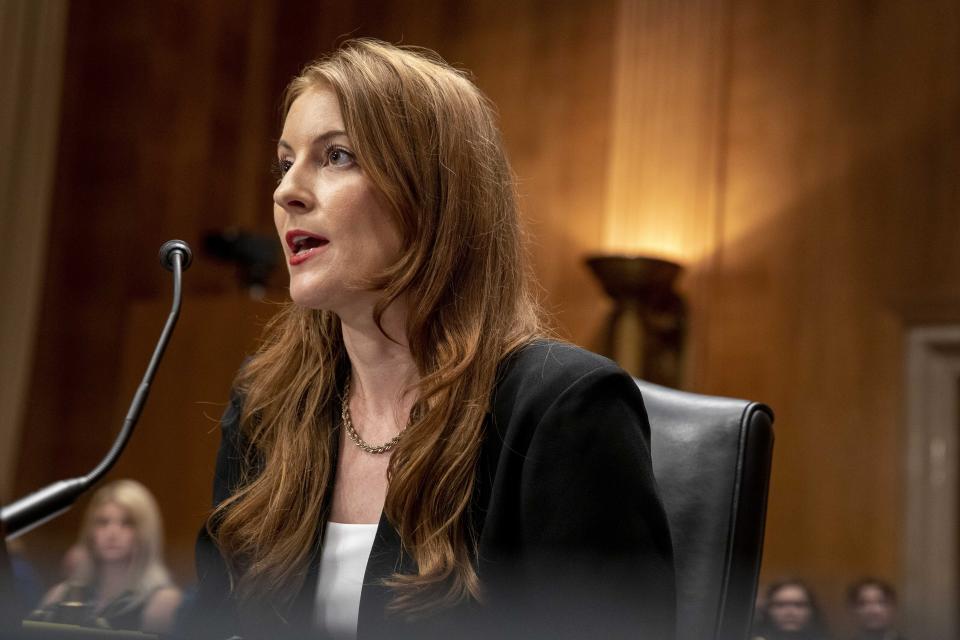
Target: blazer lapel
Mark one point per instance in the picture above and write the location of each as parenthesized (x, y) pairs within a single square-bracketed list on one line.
[(387, 557)]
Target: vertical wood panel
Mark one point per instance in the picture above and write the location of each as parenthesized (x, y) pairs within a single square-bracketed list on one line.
[(665, 129), (32, 36), (838, 215), (177, 439), (155, 140), (667, 147)]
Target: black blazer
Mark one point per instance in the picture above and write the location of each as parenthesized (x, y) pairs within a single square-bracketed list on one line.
[(572, 536)]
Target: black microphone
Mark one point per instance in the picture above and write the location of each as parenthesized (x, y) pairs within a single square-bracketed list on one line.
[(43, 505), (170, 248)]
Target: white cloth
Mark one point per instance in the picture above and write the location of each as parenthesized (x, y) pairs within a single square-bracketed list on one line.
[(343, 561)]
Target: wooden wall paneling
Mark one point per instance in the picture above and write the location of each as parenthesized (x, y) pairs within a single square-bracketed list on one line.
[(257, 123), (786, 327), (836, 204), (667, 146), (549, 72), (153, 133), (60, 437), (661, 185), (177, 438), (211, 149), (32, 44)]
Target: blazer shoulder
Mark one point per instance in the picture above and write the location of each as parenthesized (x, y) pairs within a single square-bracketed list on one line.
[(551, 366), (535, 376)]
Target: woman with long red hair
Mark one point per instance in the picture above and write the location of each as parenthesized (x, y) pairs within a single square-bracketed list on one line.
[(408, 454)]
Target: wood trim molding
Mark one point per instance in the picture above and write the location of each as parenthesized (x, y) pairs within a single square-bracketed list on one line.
[(932, 540)]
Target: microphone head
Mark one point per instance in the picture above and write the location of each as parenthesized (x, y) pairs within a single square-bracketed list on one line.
[(175, 246)]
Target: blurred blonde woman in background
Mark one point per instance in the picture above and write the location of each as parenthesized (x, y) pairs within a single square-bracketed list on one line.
[(119, 580)]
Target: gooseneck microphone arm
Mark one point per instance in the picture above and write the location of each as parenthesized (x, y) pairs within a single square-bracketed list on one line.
[(39, 507)]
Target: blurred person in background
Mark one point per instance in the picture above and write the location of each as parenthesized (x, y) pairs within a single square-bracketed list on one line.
[(873, 604), (790, 612), (119, 580), (72, 560), (26, 582)]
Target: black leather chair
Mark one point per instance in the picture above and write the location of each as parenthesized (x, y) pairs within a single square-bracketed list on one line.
[(711, 459)]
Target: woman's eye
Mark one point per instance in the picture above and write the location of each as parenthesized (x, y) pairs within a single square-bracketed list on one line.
[(280, 168), (339, 157)]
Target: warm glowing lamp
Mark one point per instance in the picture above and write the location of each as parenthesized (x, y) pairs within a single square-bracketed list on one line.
[(646, 327)]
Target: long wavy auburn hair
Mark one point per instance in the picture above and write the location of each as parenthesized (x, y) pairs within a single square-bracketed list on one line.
[(147, 571), (427, 138)]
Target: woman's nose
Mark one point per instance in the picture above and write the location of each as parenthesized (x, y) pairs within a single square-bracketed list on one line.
[(292, 195)]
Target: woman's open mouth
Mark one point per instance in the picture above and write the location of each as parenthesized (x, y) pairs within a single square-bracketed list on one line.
[(304, 244)]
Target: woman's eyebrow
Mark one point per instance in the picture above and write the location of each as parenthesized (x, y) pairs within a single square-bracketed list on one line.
[(322, 138)]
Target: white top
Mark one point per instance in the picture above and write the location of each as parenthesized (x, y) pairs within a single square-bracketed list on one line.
[(343, 561)]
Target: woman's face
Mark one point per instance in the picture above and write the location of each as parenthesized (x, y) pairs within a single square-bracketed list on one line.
[(114, 534), (873, 609), (334, 225), (790, 608)]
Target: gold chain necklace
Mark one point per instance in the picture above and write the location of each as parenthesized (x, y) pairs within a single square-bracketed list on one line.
[(357, 440)]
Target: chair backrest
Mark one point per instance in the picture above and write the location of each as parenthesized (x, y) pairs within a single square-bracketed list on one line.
[(711, 459)]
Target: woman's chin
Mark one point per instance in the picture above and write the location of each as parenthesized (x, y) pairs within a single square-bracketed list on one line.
[(322, 297), (114, 558), (311, 297)]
